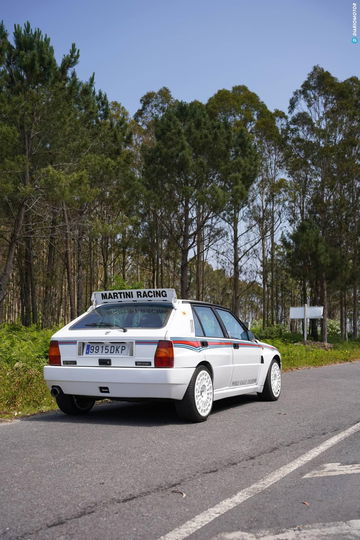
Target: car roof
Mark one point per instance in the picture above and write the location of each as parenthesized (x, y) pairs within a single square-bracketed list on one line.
[(203, 302)]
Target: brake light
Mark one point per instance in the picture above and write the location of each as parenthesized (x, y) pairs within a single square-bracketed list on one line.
[(164, 354), (54, 354)]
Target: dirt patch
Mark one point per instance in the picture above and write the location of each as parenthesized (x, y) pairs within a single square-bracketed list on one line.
[(317, 345)]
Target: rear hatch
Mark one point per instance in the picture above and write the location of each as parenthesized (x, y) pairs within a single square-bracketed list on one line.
[(115, 335)]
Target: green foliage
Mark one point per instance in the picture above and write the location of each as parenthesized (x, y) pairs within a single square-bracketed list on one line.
[(277, 331), (24, 345), (181, 174), (322, 158), (334, 330), (297, 355), (153, 105), (309, 255), (118, 284), (90, 194), (23, 391), (23, 353)]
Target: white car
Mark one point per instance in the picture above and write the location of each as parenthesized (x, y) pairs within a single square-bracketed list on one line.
[(146, 343)]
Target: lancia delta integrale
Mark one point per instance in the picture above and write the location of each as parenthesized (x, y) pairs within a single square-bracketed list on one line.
[(146, 343)]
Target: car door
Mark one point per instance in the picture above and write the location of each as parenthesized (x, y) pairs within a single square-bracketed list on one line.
[(246, 353), (218, 349)]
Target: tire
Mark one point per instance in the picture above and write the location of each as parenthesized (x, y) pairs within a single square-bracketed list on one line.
[(198, 400), (272, 386), (74, 405)]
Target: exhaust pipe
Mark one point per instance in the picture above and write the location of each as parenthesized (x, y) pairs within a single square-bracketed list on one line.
[(55, 391)]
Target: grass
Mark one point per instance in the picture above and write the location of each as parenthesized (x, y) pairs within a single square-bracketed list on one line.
[(297, 355), (23, 353)]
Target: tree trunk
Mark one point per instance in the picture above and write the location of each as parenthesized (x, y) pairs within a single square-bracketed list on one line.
[(123, 262), (324, 335), (29, 276), (48, 310), (80, 276), (264, 280), (29, 273), (184, 269), (355, 312), (25, 294), (105, 258), (272, 267), (236, 265), (71, 294), (199, 259), (345, 317), (9, 260)]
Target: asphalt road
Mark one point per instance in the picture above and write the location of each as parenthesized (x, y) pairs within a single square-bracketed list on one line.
[(134, 471)]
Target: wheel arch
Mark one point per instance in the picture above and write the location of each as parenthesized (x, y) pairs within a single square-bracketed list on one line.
[(208, 366), (278, 359)]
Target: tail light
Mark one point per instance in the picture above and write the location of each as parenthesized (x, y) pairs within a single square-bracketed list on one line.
[(54, 354), (164, 354)]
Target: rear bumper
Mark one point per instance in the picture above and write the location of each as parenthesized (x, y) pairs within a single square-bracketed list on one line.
[(122, 382)]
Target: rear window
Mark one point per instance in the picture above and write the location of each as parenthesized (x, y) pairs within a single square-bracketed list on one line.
[(125, 316)]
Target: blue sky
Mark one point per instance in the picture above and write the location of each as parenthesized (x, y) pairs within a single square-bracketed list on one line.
[(196, 47)]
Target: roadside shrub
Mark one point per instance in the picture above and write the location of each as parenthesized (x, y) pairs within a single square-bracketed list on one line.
[(278, 331), (23, 353), (21, 344), (333, 329), (23, 390), (297, 355)]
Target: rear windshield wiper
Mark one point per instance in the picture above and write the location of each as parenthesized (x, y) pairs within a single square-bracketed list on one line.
[(106, 325)]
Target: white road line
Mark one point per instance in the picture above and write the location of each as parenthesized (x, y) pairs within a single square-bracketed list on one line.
[(327, 531), (334, 469), (219, 509)]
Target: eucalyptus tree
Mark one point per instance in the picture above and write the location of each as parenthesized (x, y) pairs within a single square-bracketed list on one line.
[(153, 238), (116, 214), (322, 136), (266, 209), (181, 176), (256, 144), (238, 172), (346, 186)]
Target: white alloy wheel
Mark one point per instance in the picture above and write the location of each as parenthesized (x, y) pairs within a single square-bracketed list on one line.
[(272, 385), (275, 375), (197, 402), (203, 393)]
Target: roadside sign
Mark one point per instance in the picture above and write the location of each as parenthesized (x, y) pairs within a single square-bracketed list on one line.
[(312, 312), (306, 312)]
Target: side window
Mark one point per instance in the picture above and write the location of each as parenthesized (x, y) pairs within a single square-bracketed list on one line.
[(209, 322), (198, 329), (233, 327)]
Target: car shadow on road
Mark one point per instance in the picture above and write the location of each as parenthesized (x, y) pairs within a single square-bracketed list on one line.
[(147, 413)]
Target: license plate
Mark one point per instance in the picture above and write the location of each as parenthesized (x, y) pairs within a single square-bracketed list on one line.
[(113, 349)]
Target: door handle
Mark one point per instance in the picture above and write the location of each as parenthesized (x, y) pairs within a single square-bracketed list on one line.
[(236, 345), (204, 343)]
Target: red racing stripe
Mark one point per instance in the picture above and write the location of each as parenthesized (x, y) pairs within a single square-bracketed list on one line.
[(191, 343)]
